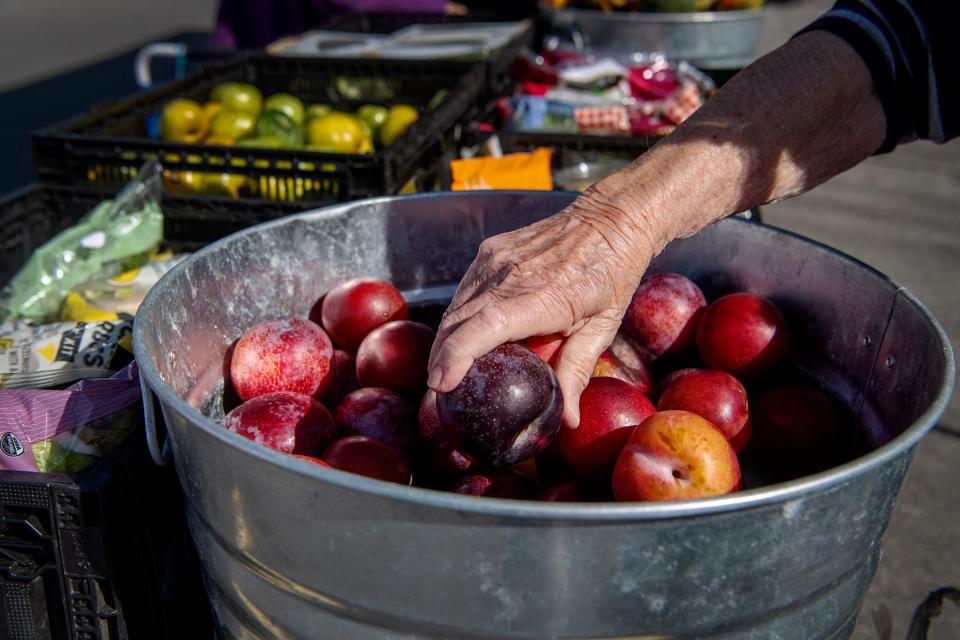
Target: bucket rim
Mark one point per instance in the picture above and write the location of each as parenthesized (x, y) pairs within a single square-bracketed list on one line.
[(531, 510)]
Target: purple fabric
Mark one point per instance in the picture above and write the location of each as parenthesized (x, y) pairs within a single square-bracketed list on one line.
[(35, 415), (243, 24)]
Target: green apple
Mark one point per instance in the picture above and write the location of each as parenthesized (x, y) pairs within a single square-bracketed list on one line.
[(286, 103), (336, 132), (238, 96), (232, 125), (278, 125), (373, 115), (182, 120)]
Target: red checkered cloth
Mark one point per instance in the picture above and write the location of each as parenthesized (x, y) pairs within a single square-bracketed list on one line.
[(613, 118), (682, 103)]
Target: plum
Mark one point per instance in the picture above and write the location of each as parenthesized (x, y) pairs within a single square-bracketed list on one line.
[(442, 443), (609, 410), (627, 361), (669, 379), (546, 347), (284, 421), (740, 441), (281, 355), (368, 457), (316, 461), (344, 378), (506, 409), (663, 314), (797, 430), (394, 356), (743, 334), (552, 467), (675, 455), (354, 308), (382, 415), (496, 484), (713, 395)]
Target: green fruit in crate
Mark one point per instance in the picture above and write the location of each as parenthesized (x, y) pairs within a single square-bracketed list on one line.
[(238, 96), (232, 125), (373, 115), (183, 120), (317, 111), (366, 89), (336, 132), (399, 119), (280, 126), (285, 103)]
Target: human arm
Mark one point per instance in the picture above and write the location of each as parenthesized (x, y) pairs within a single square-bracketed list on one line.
[(785, 124)]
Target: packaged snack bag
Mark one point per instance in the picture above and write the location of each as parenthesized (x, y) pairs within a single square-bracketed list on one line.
[(70, 430)]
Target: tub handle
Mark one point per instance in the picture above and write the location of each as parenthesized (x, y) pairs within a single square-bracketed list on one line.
[(159, 453)]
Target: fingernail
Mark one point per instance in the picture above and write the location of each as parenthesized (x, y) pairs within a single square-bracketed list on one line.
[(435, 378)]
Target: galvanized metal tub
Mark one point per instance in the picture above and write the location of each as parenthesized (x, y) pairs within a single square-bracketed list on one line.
[(708, 39), (291, 550)]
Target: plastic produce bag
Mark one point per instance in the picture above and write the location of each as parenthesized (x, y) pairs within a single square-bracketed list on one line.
[(68, 431), (113, 237), (124, 293)]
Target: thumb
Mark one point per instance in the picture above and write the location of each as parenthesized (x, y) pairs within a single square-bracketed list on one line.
[(577, 359)]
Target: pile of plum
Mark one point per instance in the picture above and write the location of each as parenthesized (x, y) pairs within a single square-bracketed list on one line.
[(685, 393)]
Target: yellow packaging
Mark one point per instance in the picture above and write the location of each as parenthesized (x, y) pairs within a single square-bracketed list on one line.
[(513, 171)]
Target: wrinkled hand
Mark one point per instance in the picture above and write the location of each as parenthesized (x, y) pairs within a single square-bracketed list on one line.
[(573, 273)]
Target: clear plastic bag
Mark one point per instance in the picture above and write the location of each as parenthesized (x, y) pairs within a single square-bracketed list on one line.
[(115, 236)]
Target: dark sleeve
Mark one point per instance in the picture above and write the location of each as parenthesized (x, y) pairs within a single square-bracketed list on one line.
[(913, 51)]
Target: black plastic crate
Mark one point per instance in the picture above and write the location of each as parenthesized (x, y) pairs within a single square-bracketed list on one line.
[(103, 556), (31, 216), (496, 66), (103, 149)]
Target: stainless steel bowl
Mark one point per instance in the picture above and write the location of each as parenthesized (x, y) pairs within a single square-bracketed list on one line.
[(708, 39), (292, 550)]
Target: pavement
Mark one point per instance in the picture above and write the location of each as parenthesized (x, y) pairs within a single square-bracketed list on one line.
[(899, 213)]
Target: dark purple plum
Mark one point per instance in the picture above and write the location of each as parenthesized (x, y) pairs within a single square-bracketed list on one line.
[(507, 408), (382, 415), (367, 457), (441, 443), (344, 378), (497, 484)]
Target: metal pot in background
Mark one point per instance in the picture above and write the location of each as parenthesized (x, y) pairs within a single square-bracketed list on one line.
[(293, 550), (707, 39)]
